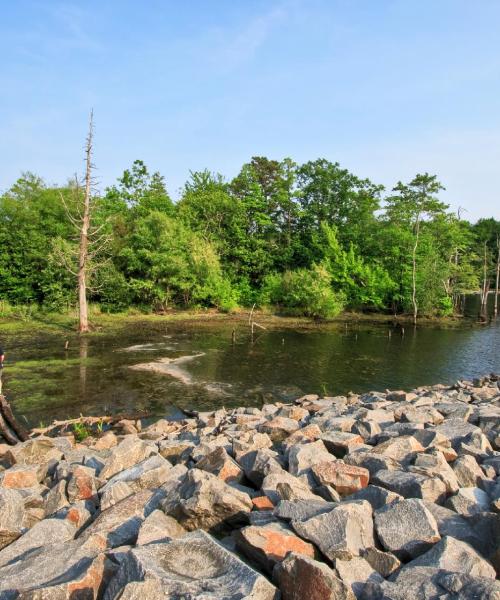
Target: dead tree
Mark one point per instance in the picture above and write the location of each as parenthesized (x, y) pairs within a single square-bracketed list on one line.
[(80, 259), (485, 287), (83, 317)]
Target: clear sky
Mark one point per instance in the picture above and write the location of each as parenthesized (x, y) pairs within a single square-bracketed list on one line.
[(388, 88)]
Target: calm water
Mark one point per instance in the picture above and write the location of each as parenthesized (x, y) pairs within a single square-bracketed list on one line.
[(43, 381)]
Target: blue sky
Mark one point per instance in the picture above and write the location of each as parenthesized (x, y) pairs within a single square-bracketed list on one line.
[(387, 88)]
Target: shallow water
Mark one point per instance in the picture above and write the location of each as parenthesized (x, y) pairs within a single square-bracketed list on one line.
[(94, 376)]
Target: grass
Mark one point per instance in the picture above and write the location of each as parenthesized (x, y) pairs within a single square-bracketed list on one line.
[(17, 319)]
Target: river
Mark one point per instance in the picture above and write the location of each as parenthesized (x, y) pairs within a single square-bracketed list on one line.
[(196, 365)]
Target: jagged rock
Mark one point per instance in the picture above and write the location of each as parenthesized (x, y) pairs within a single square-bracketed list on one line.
[(176, 451), (217, 574), (456, 431), (82, 484), (433, 464), (451, 524), (343, 532), (119, 525), (345, 479), (453, 555), (159, 527), (251, 440), (204, 501), (58, 571), (297, 413), (35, 451), (279, 428), (283, 486), (356, 572), (269, 544), (114, 494), (402, 448), (327, 492), (372, 462), (301, 510), (367, 429), (257, 464), (56, 498), (23, 476), (79, 514), (45, 533), (384, 563), (302, 578), (406, 528), (302, 457), (411, 485), (467, 471), (107, 441), (219, 463), (11, 516), (262, 503), (375, 495), (127, 454), (469, 501), (341, 443), (148, 474)]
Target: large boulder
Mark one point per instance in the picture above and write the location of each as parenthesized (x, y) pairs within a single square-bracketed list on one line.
[(345, 479), (120, 524), (11, 516), (411, 485), (356, 573), (219, 463), (302, 578), (159, 527), (148, 474), (469, 501), (266, 545), (406, 528), (203, 501), (452, 555), (344, 532), (194, 566), (56, 571), (47, 532), (127, 454)]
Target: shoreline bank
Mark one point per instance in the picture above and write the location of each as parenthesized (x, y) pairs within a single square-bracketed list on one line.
[(381, 495)]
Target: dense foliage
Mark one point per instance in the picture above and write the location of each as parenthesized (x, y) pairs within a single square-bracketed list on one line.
[(312, 239)]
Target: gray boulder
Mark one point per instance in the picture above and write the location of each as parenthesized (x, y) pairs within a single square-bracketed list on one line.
[(302, 578), (406, 528), (11, 516), (453, 555), (194, 566), (469, 501), (344, 532), (202, 501), (159, 527), (127, 454)]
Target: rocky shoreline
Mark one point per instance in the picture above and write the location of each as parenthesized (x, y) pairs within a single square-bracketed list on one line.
[(383, 496)]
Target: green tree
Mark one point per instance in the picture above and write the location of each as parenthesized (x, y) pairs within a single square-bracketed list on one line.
[(407, 209)]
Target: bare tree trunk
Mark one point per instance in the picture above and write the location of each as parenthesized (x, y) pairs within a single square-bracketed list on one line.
[(414, 271), (84, 235), (497, 285), (486, 284)]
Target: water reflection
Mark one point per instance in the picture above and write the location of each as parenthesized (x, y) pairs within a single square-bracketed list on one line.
[(94, 375)]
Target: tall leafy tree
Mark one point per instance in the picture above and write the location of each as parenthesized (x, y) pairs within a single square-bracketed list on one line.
[(408, 208)]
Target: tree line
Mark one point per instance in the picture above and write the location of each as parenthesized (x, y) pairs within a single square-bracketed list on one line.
[(311, 239)]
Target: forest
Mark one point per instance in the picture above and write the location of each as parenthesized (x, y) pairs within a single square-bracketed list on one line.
[(311, 239)]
